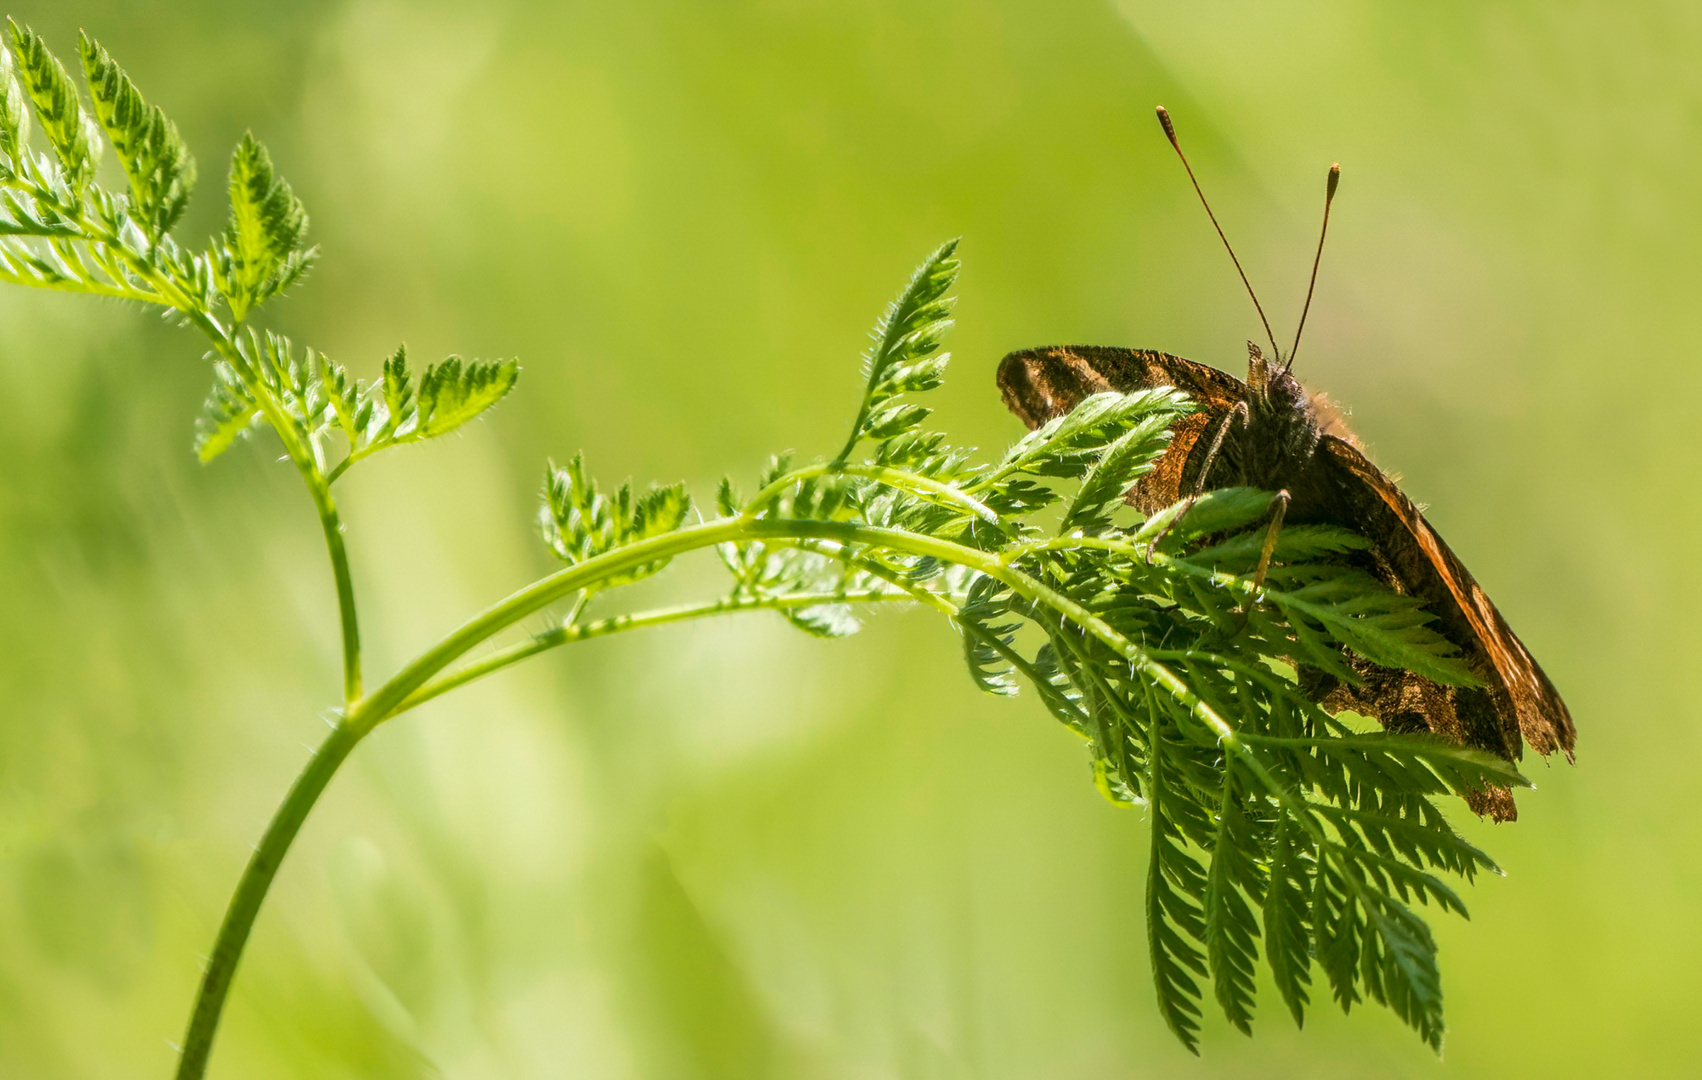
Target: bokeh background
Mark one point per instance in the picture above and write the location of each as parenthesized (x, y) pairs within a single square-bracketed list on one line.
[(728, 850)]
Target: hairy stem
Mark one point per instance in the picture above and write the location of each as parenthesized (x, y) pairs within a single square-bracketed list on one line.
[(251, 891)]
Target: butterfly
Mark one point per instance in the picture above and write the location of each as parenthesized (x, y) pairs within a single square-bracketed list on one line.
[(1271, 433)]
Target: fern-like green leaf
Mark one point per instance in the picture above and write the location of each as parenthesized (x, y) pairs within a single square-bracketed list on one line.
[(1399, 967), (452, 393), (229, 413), (1287, 916), (902, 358), (262, 252), (824, 620), (1233, 887), (1105, 482), (1215, 511), (14, 115), (1069, 445), (70, 132), (156, 162), (579, 522), (1175, 895), (1379, 625), (986, 642)]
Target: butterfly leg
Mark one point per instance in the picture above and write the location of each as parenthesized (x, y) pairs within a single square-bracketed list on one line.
[(1279, 509), (1244, 612), (1218, 435)]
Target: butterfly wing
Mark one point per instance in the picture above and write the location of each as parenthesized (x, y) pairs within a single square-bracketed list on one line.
[(1339, 486), (1520, 696), (1041, 384)]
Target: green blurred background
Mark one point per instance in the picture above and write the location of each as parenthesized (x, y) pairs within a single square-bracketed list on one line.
[(728, 850)]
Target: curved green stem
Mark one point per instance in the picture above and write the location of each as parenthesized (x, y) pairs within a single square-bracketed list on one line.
[(914, 483), (306, 462), (389, 699), (566, 635), (250, 891), (331, 524)]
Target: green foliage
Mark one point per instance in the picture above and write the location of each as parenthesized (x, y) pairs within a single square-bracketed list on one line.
[(262, 251), (14, 115), (395, 410), (315, 399), (1272, 822), (903, 357), (580, 523), (156, 162), (70, 132)]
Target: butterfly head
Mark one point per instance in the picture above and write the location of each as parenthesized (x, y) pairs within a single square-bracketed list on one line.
[(1278, 406)]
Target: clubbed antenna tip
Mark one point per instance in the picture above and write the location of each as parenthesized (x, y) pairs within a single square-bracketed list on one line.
[(1169, 128)]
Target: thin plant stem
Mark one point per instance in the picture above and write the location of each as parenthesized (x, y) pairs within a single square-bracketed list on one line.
[(566, 635), (251, 891), (331, 524)]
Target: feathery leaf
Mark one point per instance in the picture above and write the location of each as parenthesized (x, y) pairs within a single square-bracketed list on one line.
[(157, 164), (68, 128)]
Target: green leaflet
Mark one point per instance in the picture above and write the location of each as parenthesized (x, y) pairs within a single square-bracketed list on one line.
[(1066, 448), (579, 522), (229, 413), (1234, 887), (902, 358), (157, 164), (446, 396), (68, 128), (261, 252), (14, 112), (1116, 469)]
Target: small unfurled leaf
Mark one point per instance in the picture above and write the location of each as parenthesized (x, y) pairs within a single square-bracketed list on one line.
[(902, 359), (69, 130), (453, 392), (230, 411), (579, 522), (156, 162), (262, 251), (14, 112)]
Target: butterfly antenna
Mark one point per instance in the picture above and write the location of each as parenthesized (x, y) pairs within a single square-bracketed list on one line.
[(1170, 133), (1329, 196)]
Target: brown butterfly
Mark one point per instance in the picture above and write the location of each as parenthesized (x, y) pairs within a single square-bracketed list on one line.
[(1270, 433)]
